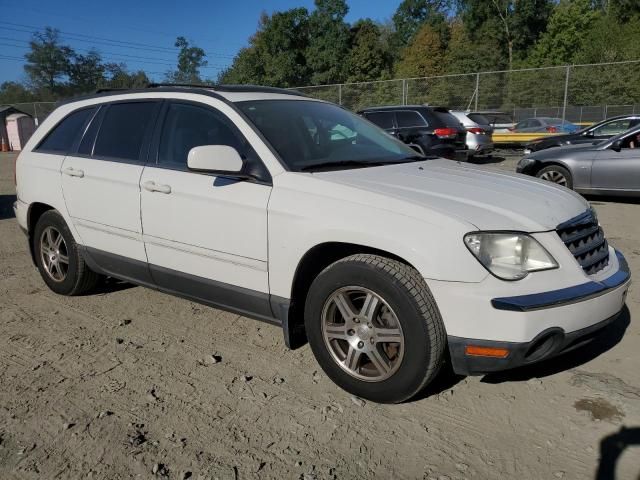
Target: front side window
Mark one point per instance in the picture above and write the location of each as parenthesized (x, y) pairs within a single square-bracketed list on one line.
[(61, 138), (188, 126), (123, 130), (307, 134), (612, 128)]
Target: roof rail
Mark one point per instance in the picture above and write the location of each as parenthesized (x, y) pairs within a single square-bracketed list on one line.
[(110, 89), (230, 88), (186, 85)]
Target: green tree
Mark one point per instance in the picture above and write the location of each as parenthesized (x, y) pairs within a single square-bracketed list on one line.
[(14, 92), (276, 52), (328, 42), (566, 34), (86, 72), (412, 14), (369, 57), (118, 76), (190, 60), (513, 24), (424, 56), (48, 61)]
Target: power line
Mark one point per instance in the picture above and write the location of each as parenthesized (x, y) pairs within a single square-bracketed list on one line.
[(108, 41), (159, 61)]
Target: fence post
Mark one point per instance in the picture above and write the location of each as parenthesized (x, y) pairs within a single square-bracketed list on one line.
[(477, 90), (404, 91), (566, 93), (35, 113), (340, 94)]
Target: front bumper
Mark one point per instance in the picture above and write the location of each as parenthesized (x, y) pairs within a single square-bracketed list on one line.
[(529, 327)]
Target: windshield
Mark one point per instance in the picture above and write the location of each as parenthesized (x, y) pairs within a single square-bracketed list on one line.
[(307, 133)]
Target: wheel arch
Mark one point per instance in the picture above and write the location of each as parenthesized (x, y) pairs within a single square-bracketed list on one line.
[(314, 261), (36, 210)]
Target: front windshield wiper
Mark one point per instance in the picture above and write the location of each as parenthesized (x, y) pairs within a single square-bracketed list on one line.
[(356, 163)]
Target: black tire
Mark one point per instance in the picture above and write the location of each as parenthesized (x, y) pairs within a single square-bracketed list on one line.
[(79, 278), (554, 170), (407, 294)]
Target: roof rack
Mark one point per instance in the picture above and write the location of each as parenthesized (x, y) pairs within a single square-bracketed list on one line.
[(109, 89), (230, 88)]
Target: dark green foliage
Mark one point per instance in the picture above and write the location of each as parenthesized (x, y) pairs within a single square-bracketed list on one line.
[(190, 60)]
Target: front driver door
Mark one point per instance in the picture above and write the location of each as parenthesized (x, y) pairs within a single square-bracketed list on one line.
[(613, 170), (205, 235)]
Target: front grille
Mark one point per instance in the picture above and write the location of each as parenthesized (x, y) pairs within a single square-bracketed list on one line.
[(586, 241)]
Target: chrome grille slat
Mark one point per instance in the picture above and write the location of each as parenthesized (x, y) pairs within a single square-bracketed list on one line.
[(586, 241)]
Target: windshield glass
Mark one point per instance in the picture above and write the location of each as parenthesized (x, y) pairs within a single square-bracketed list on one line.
[(307, 133)]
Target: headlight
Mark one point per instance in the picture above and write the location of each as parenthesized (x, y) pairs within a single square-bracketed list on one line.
[(509, 256)]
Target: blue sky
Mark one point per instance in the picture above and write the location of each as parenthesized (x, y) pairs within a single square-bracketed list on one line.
[(220, 27)]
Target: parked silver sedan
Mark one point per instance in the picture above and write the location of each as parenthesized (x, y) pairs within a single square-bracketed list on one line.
[(609, 167)]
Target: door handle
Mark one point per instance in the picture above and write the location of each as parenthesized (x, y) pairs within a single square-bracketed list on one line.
[(72, 172), (152, 187)]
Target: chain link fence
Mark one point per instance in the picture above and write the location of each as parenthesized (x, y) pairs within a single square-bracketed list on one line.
[(38, 110), (577, 93)]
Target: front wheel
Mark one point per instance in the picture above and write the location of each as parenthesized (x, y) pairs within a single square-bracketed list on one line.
[(374, 328), (556, 174)]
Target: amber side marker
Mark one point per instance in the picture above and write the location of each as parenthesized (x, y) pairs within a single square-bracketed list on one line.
[(476, 351)]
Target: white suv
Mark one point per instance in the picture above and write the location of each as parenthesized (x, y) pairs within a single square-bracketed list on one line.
[(299, 213)]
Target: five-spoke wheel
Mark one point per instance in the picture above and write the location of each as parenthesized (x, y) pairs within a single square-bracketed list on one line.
[(54, 254)]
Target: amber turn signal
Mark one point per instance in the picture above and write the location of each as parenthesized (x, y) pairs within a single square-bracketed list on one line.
[(476, 351)]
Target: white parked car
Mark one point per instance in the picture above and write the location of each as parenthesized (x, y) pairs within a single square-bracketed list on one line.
[(245, 198)]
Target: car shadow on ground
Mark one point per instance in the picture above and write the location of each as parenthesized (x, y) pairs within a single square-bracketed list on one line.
[(602, 199), (110, 285), (609, 337), (6, 206), (611, 449), (487, 160)]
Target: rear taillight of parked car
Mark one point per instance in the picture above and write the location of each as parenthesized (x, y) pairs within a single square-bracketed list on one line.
[(476, 130), (552, 129), (446, 132)]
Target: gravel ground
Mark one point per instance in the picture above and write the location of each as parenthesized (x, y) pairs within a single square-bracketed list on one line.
[(129, 382)]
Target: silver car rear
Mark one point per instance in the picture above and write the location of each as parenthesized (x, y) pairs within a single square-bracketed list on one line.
[(479, 132)]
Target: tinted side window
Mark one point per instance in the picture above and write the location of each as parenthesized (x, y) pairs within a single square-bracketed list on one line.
[(123, 129), (446, 118), (479, 118), (187, 126), (382, 119), (61, 138), (409, 119)]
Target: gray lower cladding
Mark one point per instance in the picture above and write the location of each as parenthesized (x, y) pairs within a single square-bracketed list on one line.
[(565, 296), (249, 303), (547, 344)]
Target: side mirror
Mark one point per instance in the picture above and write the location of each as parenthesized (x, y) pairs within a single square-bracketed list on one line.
[(220, 159), (617, 145)]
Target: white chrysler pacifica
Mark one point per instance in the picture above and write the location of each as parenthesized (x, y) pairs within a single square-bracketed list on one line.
[(297, 212)]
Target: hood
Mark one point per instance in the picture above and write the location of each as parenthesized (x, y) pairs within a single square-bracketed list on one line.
[(489, 199), (561, 150)]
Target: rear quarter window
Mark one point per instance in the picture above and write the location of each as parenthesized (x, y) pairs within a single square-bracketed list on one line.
[(61, 138), (407, 118), (479, 118), (447, 119)]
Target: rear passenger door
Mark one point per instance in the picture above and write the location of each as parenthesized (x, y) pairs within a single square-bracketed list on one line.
[(205, 235), (101, 179), (385, 120)]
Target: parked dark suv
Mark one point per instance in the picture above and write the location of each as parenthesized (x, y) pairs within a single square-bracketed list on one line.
[(433, 130)]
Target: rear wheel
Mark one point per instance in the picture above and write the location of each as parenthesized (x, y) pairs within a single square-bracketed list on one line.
[(556, 174), (374, 328), (60, 264)]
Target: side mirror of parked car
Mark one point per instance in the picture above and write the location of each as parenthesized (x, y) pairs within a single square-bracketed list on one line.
[(220, 159), (617, 145)]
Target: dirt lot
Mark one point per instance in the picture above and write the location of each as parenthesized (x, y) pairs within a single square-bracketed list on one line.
[(122, 384)]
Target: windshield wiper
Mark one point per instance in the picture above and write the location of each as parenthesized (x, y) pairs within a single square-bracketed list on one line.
[(342, 163)]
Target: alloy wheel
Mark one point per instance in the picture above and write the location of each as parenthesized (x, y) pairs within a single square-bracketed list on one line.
[(54, 254), (362, 334), (554, 177)]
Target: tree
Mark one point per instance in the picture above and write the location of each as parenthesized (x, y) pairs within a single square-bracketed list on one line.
[(48, 61), (86, 72), (424, 56), (190, 60), (513, 24), (276, 52), (117, 76), (567, 30), (14, 92), (369, 57), (328, 42), (412, 14)]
